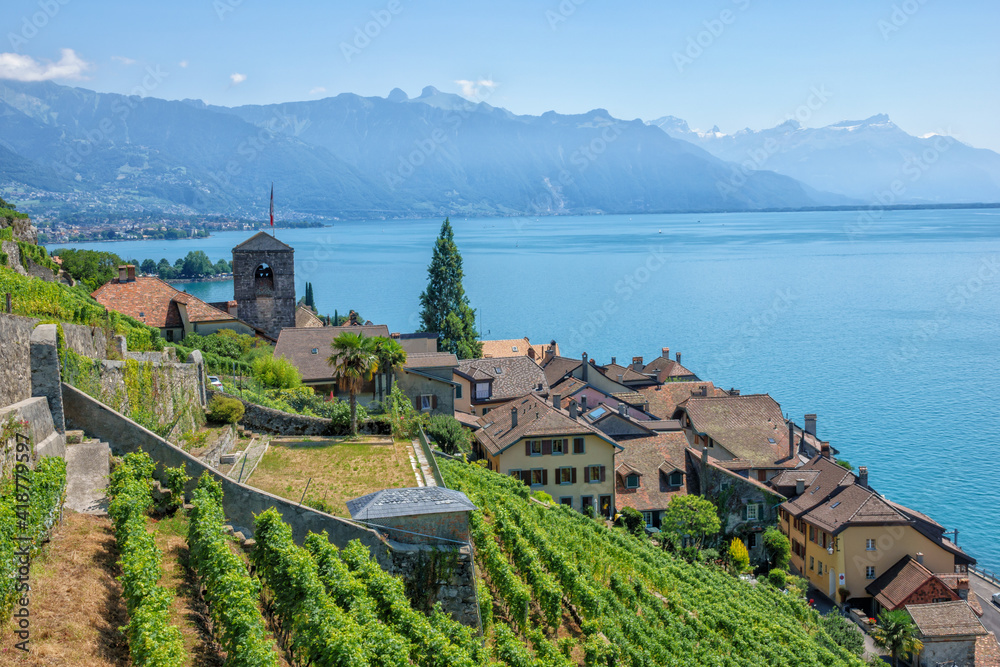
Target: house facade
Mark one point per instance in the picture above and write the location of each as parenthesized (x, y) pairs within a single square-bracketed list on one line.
[(483, 384), (426, 378), (550, 449)]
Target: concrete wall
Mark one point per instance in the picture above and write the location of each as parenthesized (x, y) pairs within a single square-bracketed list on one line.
[(35, 411), (15, 357), (242, 502)]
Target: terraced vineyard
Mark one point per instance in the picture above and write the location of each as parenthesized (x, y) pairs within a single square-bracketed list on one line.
[(636, 605)]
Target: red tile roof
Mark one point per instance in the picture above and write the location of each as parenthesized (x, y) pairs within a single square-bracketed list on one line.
[(154, 302), (749, 427), (654, 458), (664, 399), (945, 619), (896, 586)]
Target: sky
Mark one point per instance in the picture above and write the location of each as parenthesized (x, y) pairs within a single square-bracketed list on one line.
[(932, 66)]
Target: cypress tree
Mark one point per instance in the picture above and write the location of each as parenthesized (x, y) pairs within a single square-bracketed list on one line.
[(444, 307)]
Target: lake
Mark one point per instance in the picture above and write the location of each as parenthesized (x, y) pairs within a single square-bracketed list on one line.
[(887, 325)]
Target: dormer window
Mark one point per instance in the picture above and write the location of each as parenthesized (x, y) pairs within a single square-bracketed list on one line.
[(676, 478), (632, 481), (513, 348), (315, 350), (482, 390), (497, 370)]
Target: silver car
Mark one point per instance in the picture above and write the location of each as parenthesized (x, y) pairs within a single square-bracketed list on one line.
[(215, 382), (996, 599)]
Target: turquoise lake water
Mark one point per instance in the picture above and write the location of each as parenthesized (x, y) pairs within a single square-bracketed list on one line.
[(888, 327)]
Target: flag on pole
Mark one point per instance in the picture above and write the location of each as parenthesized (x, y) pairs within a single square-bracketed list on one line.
[(272, 204)]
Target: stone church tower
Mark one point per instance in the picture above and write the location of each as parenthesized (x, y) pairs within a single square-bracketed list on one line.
[(264, 283)]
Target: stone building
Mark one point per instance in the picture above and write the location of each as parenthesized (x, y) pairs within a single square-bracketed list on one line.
[(264, 283)]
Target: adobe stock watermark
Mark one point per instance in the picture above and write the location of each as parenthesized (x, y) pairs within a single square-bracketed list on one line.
[(582, 157), (625, 289), (899, 16), (251, 147), (753, 330), (423, 149), (758, 157), (223, 7), (30, 25), (363, 35), (704, 39), (913, 346), (562, 12), (121, 108), (912, 169), (21, 617)]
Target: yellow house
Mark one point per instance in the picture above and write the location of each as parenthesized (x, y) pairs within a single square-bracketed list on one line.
[(550, 450), (844, 535)]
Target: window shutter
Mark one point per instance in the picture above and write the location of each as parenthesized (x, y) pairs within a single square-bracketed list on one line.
[(602, 473), (744, 512), (416, 403), (526, 476), (545, 476), (527, 447), (434, 401), (573, 475), (760, 512), (546, 447)]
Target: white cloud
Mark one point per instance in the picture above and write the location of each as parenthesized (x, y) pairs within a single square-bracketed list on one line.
[(318, 90), (237, 78), (25, 68), (123, 60), (477, 90), (183, 63)]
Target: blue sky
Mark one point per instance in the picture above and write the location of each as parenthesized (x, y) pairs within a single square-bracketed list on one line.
[(933, 66)]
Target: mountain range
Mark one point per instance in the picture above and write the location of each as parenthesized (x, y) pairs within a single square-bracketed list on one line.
[(432, 155)]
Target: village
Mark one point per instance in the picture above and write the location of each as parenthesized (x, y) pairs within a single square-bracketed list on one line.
[(611, 439)]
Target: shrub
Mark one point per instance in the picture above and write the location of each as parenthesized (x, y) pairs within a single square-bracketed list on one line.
[(739, 556), (449, 434), (778, 547), (842, 632), (777, 578), (632, 520), (177, 479), (276, 373), (541, 496), (225, 410)]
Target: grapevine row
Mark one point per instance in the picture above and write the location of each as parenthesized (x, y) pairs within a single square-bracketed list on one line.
[(231, 593), (509, 587), (152, 641)]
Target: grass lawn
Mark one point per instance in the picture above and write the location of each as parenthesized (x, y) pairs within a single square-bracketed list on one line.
[(340, 470)]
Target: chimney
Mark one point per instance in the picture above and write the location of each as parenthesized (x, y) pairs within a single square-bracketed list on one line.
[(636, 363), (824, 448), (614, 360), (513, 418), (583, 403), (586, 367), (962, 588), (678, 357), (572, 410), (800, 487), (811, 424), (123, 273), (665, 352), (621, 377), (920, 558), (792, 449), (863, 476), (703, 472), (622, 409), (556, 401)]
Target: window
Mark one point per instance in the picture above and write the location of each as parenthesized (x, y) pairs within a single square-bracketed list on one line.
[(761, 475), (578, 446), (593, 474), (536, 447), (170, 334), (586, 501), (566, 475), (315, 350), (632, 481), (942, 599), (513, 348), (497, 370), (676, 478), (537, 477), (566, 500), (458, 391), (426, 402), (482, 390), (812, 534), (869, 544), (142, 314), (647, 517), (752, 541), (812, 563), (752, 512), (870, 572), (819, 568), (516, 474), (559, 446)]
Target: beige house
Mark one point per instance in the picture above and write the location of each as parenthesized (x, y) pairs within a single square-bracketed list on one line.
[(845, 535), (550, 450)]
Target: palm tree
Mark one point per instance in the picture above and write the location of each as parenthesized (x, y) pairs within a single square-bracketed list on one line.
[(391, 356), (354, 362), (897, 634)]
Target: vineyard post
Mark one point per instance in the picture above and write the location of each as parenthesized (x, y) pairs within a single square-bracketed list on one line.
[(8, 303), (304, 491)]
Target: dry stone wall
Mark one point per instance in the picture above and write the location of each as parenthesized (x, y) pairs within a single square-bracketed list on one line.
[(15, 358)]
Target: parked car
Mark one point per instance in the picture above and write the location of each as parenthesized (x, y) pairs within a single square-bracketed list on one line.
[(996, 599), (215, 382)]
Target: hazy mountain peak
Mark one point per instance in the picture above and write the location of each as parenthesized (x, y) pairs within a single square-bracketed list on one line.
[(398, 95), (880, 120), (428, 91)]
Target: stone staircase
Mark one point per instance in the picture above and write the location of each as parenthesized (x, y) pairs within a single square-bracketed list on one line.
[(88, 464), (246, 462)]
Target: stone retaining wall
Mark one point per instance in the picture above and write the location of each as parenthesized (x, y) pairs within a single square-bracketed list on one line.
[(268, 420), (15, 357)]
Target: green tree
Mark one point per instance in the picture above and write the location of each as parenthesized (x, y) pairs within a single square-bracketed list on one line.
[(739, 556), (93, 268), (896, 633), (391, 357), (310, 297), (276, 372), (148, 267), (196, 265), (449, 433), (354, 362), (691, 517), (632, 519), (778, 547), (444, 307)]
